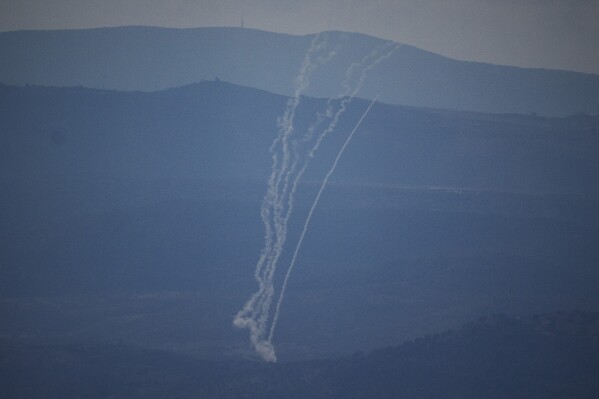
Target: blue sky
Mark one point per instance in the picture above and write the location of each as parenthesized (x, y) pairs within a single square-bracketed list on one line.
[(561, 34)]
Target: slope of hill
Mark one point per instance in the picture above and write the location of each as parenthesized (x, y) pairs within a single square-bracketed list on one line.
[(216, 130), (147, 58), (547, 356), (134, 218)]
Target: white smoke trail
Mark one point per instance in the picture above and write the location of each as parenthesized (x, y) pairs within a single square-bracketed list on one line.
[(372, 59), (347, 96), (281, 217), (254, 313), (247, 317), (309, 218), (262, 311)]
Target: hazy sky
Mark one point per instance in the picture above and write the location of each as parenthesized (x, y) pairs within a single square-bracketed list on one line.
[(560, 34)]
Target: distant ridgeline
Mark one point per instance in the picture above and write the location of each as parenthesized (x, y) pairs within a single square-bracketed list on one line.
[(149, 58), (217, 130)]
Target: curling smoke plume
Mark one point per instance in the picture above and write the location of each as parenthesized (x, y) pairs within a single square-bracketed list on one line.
[(288, 165)]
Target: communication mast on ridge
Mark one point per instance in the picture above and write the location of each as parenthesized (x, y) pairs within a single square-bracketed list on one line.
[(242, 18)]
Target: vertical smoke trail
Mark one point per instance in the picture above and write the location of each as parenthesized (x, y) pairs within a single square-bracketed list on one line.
[(247, 317), (285, 170), (262, 311), (254, 313), (282, 217), (309, 218), (374, 58), (277, 204), (347, 96)]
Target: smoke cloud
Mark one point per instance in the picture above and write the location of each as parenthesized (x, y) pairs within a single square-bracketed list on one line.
[(290, 157)]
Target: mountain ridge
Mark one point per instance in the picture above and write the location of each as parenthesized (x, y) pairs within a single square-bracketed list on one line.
[(148, 59), (194, 107)]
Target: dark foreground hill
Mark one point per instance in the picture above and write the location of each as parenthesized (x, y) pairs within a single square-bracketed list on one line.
[(148, 58), (547, 356), (134, 218)]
